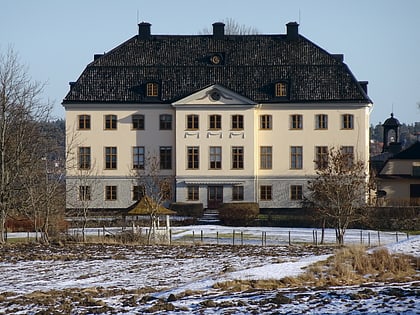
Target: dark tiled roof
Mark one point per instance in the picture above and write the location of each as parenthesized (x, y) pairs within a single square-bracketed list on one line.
[(252, 64), (411, 153)]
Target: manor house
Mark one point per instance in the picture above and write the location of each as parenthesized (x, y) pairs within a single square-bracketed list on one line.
[(231, 118)]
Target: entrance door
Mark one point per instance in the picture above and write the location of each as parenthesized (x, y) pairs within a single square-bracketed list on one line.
[(214, 196)]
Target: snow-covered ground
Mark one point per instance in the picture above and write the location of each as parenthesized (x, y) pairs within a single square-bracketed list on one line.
[(280, 236), (180, 279), (217, 234)]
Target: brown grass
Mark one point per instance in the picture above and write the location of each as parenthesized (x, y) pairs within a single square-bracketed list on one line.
[(351, 265), (354, 265)]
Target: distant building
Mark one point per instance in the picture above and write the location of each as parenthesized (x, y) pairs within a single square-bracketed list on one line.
[(231, 117), (399, 179)]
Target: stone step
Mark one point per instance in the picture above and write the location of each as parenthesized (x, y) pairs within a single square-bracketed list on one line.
[(210, 216)]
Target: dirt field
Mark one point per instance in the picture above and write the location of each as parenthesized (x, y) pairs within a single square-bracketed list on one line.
[(116, 279)]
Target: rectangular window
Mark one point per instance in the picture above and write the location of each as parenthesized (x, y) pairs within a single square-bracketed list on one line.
[(111, 158), (192, 122), (266, 192), (237, 158), (237, 122), (296, 192), (110, 122), (84, 193), (348, 154), (321, 157), (296, 121), (238, 193), (265, 122), (165, 158), (165, 122), (137, 122), (215, 158), (152, 89), (110, 192), (414, 194), (138, 192), (84, 122), (266, 157), (84, 158), (138, 158), (416, 170), (321, 121), (193, 158), (281, 89), (215, 122), (347, 121), (193, 193), (296, 158)]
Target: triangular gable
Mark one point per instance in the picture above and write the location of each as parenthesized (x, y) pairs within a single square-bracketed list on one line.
[(214, 95)]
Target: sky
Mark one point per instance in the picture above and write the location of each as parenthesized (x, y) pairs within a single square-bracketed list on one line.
[(380, 39)]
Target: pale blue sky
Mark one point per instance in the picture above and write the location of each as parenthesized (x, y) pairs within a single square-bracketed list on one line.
[(380, 39)]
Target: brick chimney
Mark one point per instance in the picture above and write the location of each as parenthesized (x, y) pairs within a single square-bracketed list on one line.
[(218, 30), (144, 30), (292, 31)]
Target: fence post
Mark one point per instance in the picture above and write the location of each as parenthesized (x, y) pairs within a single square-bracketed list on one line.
[(368, 239), (233, 237), (217, 237), (290, 240), (396, 236), (242, 237), (408, 236), (201, 236), (361, 237), (379, 238), (315, 237), (170, 236)]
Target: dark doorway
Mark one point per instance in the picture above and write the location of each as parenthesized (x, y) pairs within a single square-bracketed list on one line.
[(214, 196)]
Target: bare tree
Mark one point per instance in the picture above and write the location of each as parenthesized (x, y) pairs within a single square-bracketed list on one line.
[(155, 190), (84, 180), (20, 108), (339, 191), (84, 187), (233, 28)]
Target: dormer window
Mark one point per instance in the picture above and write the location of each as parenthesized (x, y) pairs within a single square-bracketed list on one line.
[(152, 89), (280, 89)]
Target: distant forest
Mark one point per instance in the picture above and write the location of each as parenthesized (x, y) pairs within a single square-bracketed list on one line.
[(55, 133)]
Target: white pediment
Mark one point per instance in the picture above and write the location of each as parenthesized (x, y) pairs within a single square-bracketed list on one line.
[(214, 95)]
